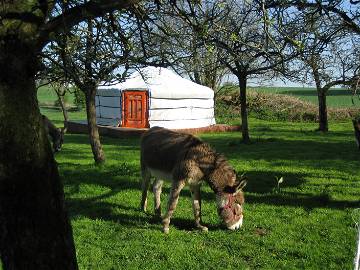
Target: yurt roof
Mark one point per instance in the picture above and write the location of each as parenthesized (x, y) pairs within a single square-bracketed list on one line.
[(162, 83)]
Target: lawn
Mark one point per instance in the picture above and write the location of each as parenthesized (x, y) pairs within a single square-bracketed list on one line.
[(305, 224)]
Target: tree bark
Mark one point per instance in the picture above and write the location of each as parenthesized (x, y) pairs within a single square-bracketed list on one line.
[(89, 89), (64, 111), (244, 117), (35, 231), (321, 91), (323, 119), (96, 147)]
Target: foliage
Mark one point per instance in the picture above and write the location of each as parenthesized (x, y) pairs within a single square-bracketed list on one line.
[(79, 99), (189, 56)]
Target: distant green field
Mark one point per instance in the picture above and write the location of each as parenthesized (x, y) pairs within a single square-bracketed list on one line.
[(337, 97), (47, 96)]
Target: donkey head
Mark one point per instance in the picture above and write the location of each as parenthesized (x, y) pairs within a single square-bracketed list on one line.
[(58, 139), (230, 204)]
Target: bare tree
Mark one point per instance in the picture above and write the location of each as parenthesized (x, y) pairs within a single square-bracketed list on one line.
[(347, 13), (171, 37), (249, 42), (96, 51), (327, 57), (324, 46)]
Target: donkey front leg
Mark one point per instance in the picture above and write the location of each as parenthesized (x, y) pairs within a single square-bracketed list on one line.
[(145, 187), (196, 203), (157, 187), (176, 187)]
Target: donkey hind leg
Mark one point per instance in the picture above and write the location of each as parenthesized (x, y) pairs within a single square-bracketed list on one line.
[(145, 183), (196, 203), (157, 188), (176, 187)]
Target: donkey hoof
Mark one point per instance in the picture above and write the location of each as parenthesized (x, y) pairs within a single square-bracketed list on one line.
[(166, 230), (203, 228)]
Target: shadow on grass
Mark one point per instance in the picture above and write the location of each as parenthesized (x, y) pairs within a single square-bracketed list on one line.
[(308, 202), (129, 216), (271, 149), (83, 139), (115, 178), (266, 182), (260, 190), (124, 177)]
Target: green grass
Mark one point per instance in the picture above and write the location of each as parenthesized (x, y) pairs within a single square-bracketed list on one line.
[(338, 98), (305, 225)]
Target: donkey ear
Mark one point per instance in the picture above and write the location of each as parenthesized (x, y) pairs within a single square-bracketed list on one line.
[(235, 189), (240, 186)]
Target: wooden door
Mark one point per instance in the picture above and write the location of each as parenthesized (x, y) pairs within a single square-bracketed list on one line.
[(135, 109)]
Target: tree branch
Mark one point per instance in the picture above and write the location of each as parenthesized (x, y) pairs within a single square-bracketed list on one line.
[(79, 13), (300, 4)]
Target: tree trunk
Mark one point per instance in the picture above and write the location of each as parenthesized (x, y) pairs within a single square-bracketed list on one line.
[(35, 232), (321, 91), (96, 147), (64, 110), (323, 119), (244, 117)]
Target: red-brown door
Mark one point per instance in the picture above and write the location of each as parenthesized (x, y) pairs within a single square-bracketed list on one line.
[(135, 109)]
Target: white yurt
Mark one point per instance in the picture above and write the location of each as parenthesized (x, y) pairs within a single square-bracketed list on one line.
[(155, 97)]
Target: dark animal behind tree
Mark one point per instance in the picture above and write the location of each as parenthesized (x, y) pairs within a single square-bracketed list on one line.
[(56, 134), (356, 123)]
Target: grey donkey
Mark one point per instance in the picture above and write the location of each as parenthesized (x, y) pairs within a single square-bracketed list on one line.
[(184, 159)]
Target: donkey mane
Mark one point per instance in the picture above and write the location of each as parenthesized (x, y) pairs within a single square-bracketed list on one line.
[(223, 175)]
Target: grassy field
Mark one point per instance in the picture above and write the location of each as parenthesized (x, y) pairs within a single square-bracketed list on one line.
[(338, 98), (305, 223)]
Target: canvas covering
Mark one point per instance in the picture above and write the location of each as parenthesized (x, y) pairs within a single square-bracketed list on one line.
[(174, 102)]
